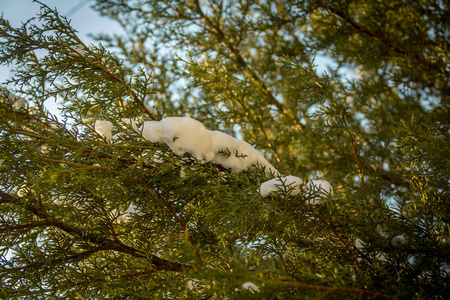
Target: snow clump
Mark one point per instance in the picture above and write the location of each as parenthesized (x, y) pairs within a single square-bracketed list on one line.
[(182, 135), (315, 189), (104, 129), (187, 135), (251, 287), (290, 184), (318, 189), (15, 100), (238, 155)]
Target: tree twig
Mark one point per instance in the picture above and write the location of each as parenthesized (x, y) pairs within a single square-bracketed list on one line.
[(108, 244)]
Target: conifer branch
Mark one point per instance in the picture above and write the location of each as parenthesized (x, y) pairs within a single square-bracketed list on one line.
[(341, 238), (146, 185), (272, 146), (327, 289), (58, 260), (360, 170), (382, 38), (104, 243), (25, 226), (387, 125), (240, 61), (120, 81)]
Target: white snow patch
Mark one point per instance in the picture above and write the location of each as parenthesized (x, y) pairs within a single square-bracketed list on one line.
[(78, 50), (319, 189), (316, 189), (250, 286), (187, 135), (104, 129), (289, 184), (129, 122), (238, 155), (17, 101), (182, 135)]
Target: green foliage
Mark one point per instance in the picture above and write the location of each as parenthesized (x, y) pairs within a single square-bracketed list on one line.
[(375, 125)]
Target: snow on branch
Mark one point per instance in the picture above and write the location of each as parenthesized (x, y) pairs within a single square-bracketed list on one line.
[(187, 135)]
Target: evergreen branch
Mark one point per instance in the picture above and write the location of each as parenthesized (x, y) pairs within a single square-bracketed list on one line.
[(29, 43), (382, 38), (360, 170), (360, 28), (25, 226), (57, 260), (341, 238), (106, 243), (86, 282), (272, 146), (320, 288), (240, 61), (27, 116), (146, 185), (280, 257), (120, 81)]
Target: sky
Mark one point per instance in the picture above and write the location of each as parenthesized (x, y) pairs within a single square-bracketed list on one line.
[(84, 19)]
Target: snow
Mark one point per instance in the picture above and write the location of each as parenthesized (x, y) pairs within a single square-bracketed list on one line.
[(250, 286), (290, 184), (314, 189), (126, 122), (238, 155), (187, 135), (318, 189), (17, 101), (104, 129), (181, 134), (78, 50)]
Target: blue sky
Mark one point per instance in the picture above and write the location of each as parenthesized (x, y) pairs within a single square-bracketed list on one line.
[(84, 19)]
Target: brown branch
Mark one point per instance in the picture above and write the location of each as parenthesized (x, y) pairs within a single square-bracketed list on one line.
[(341, 238), (360, 170), (149, 187), (359, 27), (24, 226), (118, 80), (58, 260), (280, 256), (124, 276), (108, 244)]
